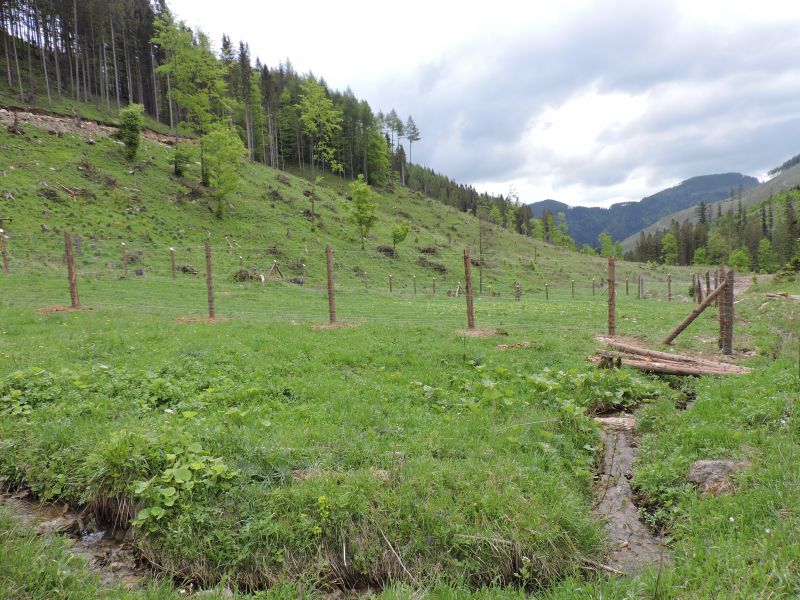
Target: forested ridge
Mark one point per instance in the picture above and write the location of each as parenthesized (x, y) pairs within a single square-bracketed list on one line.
[(108, 54), (762, 238)]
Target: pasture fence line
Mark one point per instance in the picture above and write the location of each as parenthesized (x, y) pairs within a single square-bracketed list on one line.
[(90, 252)]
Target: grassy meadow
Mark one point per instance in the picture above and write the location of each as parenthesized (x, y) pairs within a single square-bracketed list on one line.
[(261, 455)]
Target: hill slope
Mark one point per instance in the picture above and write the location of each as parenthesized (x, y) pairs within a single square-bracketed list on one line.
[(750, 197), (626, 218), (55, 182)]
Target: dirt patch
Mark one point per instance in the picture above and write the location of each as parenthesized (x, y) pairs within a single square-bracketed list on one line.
[(203, 320), (55, 308), (481, 333), (634, 545), (714, 477), (107, 552), (518, 346), (59, 124), (327, 326)]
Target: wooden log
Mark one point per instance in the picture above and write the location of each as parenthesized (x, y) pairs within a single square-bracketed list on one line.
[(684, 361), (662, 355), (669, 368), (694, 314)]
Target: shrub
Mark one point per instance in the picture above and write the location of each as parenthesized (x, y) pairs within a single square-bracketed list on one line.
[(130, 129)]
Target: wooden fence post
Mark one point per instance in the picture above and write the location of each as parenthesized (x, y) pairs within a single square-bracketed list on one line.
[(172, 261), (209, 281), (433, 280), (627, 292), (546, 292), (390, 284), (727, 342), (468, 277), (592, 286), (612, 296), (669, 287), (331, 297), (4, 249), (708, 283), (721, 308), (72, 274), (414, 279), (124, 260), (573, 289)]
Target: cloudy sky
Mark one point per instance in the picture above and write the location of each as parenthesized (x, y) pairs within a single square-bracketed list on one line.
[(587, 102)]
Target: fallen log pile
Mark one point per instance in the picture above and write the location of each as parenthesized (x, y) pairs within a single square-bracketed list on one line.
[(619, 353), (783, 296)]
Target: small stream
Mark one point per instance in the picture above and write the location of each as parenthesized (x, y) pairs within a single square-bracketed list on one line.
[(107, 552), (634, 545)]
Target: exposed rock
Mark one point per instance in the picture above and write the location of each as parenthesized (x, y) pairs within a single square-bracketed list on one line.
[(713, 477)]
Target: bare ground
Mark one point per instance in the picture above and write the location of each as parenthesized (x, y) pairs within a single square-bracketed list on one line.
[(59, 124)]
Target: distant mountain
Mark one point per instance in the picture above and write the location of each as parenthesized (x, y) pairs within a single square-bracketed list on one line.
[(628, 218), (788, 177)]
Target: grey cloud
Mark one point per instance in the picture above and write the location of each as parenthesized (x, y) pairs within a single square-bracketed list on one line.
[(728, 99)]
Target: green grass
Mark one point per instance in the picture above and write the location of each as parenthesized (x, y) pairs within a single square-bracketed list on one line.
[(260, 453)]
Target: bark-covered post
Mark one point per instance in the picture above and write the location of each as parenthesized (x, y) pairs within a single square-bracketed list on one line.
[(639, 288), (708, 283), (612, 296), (669, 287), (390, 284), (627, 289), (331, 297), (592, 286), (209, 281), (124, 259), (546, 292), (4, 250), (573, 289), (72, 274), (414, 280), (433, 281), (172, 261), (721, 308), (727, 342), (468, 277)]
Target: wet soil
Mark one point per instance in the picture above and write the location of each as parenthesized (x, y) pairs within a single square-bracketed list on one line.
[(634, 545), (107, 552)]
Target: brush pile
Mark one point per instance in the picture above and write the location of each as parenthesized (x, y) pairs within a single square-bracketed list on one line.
[(618, 354)]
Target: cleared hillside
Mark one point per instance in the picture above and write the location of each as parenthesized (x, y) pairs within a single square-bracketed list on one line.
[(81, 182)]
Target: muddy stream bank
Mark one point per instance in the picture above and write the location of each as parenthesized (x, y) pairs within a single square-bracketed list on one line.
[(634, 544)]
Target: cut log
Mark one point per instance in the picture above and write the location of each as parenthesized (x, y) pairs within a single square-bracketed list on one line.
[(630, 349), (626, 359), (670, 368)]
